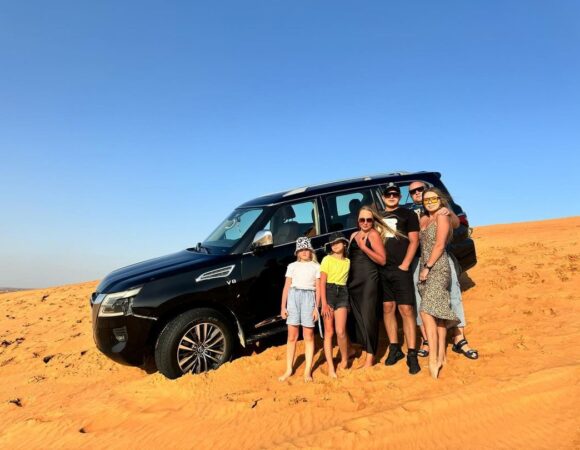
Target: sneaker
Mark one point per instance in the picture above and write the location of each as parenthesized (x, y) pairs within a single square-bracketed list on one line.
[(395, 354), (413, 362)]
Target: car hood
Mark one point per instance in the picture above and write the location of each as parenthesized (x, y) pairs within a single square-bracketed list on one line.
[(164, 266)]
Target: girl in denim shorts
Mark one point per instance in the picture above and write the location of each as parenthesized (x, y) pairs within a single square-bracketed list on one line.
[(335, 304), (300, 299)]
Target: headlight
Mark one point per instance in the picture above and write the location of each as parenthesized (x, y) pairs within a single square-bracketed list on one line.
[(118, 303)]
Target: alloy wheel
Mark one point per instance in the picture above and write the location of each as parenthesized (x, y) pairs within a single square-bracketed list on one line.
[(201, 348)]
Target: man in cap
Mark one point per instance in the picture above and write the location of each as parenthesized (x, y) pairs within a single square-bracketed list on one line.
[(397, 279)]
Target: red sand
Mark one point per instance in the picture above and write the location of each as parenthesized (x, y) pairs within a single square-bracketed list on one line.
[(522, 305)]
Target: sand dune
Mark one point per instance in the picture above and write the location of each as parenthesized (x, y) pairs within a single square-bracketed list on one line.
[(522, 304)]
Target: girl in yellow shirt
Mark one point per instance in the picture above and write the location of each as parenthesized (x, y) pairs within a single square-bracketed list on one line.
[(334, 294)]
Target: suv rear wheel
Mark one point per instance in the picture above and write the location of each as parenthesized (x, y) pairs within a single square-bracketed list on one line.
[(195, 341)]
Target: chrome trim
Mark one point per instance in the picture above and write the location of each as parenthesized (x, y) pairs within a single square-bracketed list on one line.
[(99, 299), (299, 190), (142, 317), (241, 335), (263, 238), (313, 237), (269, 321), (222, 272)]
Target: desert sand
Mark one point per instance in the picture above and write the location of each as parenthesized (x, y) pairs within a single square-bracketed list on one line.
[(523, 312)]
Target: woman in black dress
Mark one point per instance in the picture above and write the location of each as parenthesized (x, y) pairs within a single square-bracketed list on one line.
[(366, 253)]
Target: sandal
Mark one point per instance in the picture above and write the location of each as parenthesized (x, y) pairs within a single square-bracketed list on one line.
[(423, 353), (471, 353)]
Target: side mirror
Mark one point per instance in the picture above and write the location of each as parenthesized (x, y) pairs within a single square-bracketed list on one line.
[(262, 239)]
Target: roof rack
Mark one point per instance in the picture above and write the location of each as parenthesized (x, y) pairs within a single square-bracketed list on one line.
[(302, 189)]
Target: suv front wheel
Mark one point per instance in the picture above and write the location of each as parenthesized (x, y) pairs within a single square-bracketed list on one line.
[(195, 341)]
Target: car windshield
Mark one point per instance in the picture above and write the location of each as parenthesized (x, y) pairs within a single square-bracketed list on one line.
[(233, 228)]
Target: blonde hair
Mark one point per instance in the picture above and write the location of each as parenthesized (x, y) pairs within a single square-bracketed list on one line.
[(312, 256), (379, 225)]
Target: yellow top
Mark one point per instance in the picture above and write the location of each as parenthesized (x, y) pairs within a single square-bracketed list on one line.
[(335, 269)]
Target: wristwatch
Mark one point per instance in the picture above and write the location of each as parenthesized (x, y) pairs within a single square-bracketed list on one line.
[(427, 267)]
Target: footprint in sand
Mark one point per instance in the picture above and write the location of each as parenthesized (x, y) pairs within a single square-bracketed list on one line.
[(296, 400), (360, 426)]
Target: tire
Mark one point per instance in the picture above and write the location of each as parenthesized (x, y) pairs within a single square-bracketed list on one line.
[(194, 342)]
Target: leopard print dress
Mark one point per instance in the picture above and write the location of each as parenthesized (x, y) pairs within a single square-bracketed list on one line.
[(435, 298)]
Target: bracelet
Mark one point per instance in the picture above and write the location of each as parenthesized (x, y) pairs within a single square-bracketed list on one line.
[(425, 266)]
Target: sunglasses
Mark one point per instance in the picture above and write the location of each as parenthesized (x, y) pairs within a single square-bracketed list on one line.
[(365, 219), (430, 200), (391, 194), (414, 191)]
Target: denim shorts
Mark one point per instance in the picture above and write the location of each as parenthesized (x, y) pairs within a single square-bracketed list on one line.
[(337, 296), (300, 306)]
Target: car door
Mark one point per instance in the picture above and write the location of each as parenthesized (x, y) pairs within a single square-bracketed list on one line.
[(264, 269)]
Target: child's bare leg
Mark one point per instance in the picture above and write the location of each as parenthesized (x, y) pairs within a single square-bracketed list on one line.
[(308, 352), (328, 334), (340, 316), (290, 351)]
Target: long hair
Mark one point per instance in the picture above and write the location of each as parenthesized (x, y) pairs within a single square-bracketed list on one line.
[(444, 200), (379, 225)]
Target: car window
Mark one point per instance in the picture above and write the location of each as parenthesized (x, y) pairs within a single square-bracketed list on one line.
[(343, 208), (405, 196), (231, 230), (241, 225), (292, 220)]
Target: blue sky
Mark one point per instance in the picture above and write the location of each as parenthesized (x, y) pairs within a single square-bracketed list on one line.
[(128, 130)]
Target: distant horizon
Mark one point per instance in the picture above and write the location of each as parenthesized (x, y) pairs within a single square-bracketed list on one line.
[(6, 289)]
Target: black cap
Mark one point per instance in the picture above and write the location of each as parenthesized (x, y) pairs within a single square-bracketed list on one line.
[(391, 187)]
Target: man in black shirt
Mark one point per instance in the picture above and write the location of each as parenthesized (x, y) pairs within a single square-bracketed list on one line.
[(397, 279)]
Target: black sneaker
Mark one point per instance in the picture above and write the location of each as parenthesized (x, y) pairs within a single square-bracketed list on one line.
[(413, 362), (395, 354)]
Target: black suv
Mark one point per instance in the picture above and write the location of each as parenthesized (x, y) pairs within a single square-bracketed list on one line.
[(191, 308)]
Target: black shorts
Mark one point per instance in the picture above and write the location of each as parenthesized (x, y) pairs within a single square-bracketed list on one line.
[(337, 296), (398, 286)]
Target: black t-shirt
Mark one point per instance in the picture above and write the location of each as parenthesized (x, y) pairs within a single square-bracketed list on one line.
[(404, 221), (417, 209)]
